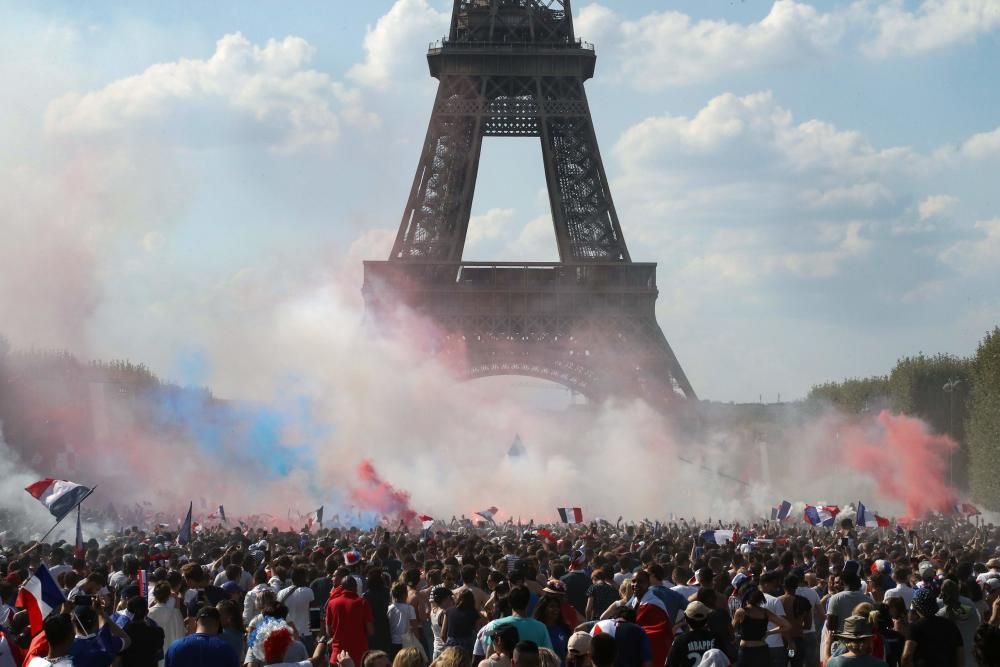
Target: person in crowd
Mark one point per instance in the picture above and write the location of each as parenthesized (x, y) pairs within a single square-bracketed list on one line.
[(963, 613), (600, 595), (934, 641), (403, 623), (349, 621), (689, 649), (751, 622), (60, 635), (857, 640), (146, 638), (298, 598), (205, 647), (549, 611), (99, 640), (461, 622), (379, 598)]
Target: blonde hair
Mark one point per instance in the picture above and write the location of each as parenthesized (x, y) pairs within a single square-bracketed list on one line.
[(627, 589), (864, 609), (453, 656), (410, 657), (858, 646), (547, 657)]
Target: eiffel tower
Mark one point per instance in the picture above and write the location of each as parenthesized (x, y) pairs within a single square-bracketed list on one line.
[(514, 68)]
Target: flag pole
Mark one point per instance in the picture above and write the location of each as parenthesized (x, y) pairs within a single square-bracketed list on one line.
[(41, 539)]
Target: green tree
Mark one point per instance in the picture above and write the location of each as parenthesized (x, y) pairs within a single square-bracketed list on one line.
[(855, 395), (984, 423)]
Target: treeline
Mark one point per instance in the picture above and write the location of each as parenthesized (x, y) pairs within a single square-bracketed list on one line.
[(957, 396)]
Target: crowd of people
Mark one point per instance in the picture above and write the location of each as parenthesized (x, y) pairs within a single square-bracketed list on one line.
[(597, 595)]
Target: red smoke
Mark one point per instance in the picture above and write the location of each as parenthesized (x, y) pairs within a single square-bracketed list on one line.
[(907, 461), (377, 495)]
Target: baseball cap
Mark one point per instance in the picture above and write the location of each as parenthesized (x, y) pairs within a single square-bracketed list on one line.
[(926, 569), (993, 583), (579, 642), (697, 611)]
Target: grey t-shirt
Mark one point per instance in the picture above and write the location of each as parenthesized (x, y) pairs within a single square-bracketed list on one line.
[(843, 603)]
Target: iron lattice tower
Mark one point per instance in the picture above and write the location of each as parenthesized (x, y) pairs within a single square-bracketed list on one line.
[(514, 68)]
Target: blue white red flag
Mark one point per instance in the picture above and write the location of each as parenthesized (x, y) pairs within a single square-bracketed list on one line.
[(59, 496), (426, 521), (821, 516), (570, 514), (39, 596), (783, 509), (717, 536), (222, 513)]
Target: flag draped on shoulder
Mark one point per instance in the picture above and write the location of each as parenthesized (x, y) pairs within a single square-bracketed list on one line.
[(570, 514), (184, 534), (59, 496), (39, 596)]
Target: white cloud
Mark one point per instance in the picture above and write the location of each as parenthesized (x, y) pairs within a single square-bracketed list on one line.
[(488, 226), (935, 206), (755, 126), (935, 25), (242, 92), (862, 195), (397, 36), (669, 48), (981, 254), (982, 145)]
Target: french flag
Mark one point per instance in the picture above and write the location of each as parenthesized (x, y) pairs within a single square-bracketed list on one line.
[(59, 496), (488, 514), (426, 521), (570, 514), (821, 516), (783, 509), (39, 596), (717, 536)]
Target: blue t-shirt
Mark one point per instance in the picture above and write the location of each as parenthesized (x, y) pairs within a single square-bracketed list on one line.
[(201, 650), (97, 650)]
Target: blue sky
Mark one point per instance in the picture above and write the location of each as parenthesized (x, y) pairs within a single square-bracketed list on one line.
[(818, 181)]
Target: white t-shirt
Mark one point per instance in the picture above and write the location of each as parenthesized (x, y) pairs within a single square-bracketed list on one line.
[(813, 597), (774, 604), (304, 663), (900, 591), (65, 661), (400, 614), (686, 591), (298, 599)]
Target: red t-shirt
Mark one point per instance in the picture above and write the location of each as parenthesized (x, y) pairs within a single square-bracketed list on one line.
[(347, 618)]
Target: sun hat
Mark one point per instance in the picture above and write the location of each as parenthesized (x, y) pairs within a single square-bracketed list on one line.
[(856, 627), (697, 611)]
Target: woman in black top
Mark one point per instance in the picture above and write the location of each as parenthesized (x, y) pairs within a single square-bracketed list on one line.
[(461, 622), (750, 623)]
